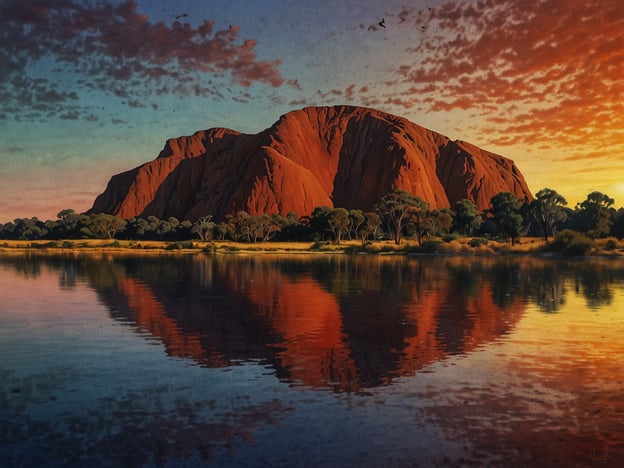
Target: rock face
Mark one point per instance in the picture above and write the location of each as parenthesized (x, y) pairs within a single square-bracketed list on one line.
[(334, 156)]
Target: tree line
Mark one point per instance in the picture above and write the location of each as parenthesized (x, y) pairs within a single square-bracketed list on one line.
[(396, 216)]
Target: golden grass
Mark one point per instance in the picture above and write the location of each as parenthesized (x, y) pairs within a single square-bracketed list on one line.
[(462, 246)]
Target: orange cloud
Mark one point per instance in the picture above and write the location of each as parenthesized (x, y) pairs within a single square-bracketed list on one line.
[(533, 70)]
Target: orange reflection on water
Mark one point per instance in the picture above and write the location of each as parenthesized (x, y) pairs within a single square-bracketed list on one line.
[(448, 323), (366, 324), (150, 315), (307, 319)]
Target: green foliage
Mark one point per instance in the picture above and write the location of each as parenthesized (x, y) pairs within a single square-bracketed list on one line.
[(478, 241), (181, 245), (439, 221), (210, 248), (204, 228), (505, 210), (467, 217), (429, 246), (450, 237), (400, 209), (396, 215), (339, 222), (105, 225), (318, 222), (548, 210), (43, 245), (571, 243), (595, 215)]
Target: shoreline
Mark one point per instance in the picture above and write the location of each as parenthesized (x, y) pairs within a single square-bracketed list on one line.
[(536, 247)]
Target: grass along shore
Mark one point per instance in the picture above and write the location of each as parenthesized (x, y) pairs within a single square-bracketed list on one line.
[(462, 246)]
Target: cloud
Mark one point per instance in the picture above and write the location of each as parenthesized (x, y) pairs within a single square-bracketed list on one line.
[(532, 70), (114, 49)]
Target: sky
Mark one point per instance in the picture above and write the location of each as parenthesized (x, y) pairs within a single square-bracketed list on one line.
[(93, 88)]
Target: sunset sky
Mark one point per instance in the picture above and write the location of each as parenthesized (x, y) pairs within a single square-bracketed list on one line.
[(93, 88)]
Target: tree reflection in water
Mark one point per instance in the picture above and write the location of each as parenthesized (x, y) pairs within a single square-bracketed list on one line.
[(352, 325), (344, 322)]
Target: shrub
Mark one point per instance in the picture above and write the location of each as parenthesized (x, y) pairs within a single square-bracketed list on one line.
[(67, 245), (477, 241), (210, 248), (450, 237), (429, 246), (180, 245), (42, 245), (571, 242)]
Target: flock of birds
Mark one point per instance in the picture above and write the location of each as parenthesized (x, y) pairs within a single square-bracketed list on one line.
[(381, 24)]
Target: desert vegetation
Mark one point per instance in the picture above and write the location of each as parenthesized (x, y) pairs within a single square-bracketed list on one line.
[(399, 222)]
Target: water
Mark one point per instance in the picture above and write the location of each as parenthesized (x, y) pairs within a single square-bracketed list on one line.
[(299, 360)]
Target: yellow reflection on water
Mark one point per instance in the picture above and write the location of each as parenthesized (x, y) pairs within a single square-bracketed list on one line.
[(563, 376)]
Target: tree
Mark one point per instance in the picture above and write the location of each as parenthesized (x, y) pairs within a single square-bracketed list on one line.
[(137, 228), (439, 221), (222, 229), (203, 227), (419, 217), (29, 228), (373, 224), (595, 214), (262, 227), (505, 210), (396, 210), (239, 228), (183, 230), (370, 227), (106, 225), (357, 219), (467, 217), (617, 229), (69, 223), (338, 222), (548, 210), (291, 227), (318, 222)]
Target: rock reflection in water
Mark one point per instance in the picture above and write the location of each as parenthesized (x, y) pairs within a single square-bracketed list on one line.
[(340, 322), (497, 376)]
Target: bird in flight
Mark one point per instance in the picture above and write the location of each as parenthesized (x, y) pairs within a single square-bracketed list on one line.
[(183, 15), (382, 23)]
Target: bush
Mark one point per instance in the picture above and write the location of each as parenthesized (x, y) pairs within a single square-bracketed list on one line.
[(429, 246), (477, 241), (450, 237), (43, 245), (210, 248), (320, 245), (180, 245), (571, 242)]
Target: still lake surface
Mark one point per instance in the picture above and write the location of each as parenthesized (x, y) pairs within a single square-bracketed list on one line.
[(301, 360)]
